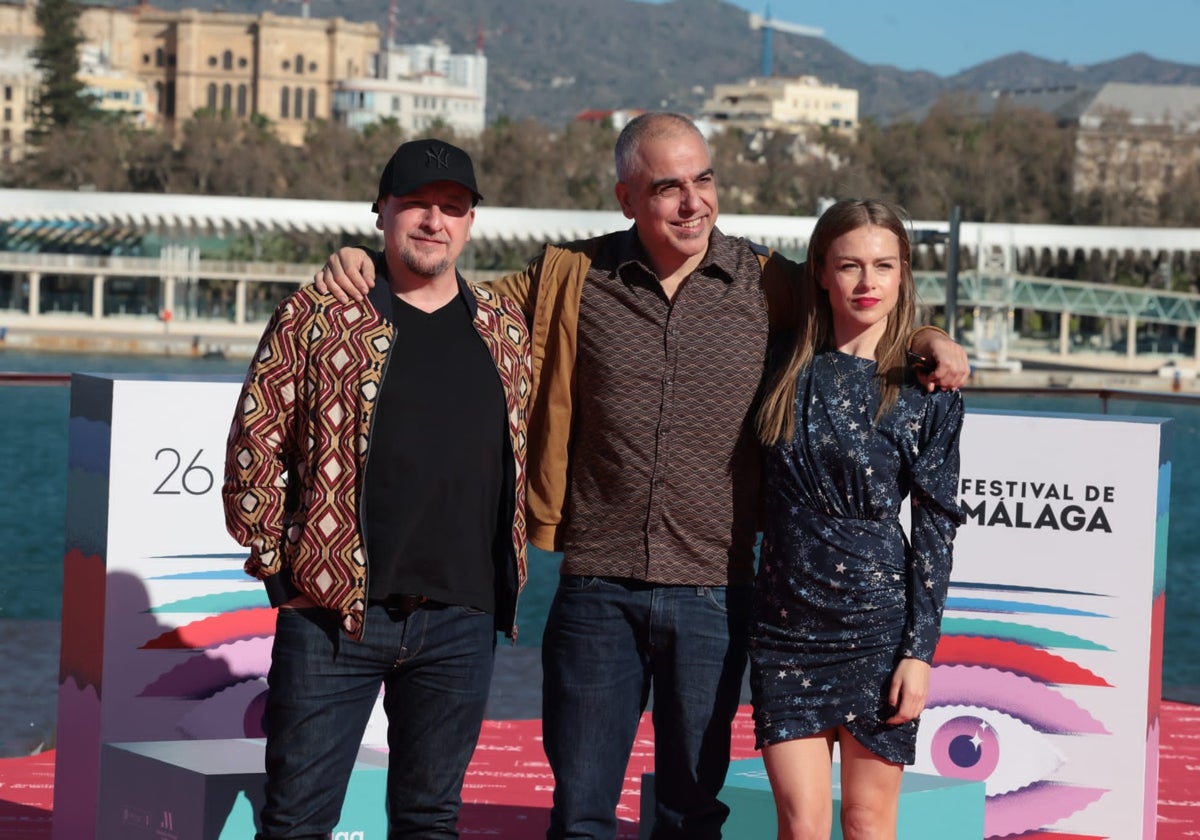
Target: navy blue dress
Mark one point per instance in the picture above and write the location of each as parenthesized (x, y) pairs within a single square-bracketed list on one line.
[(840, 595)]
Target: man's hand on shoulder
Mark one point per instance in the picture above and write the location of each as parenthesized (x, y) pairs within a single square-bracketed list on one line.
[(348, 274), (950, 368)]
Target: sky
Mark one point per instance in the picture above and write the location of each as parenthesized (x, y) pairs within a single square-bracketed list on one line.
[(947, 37)]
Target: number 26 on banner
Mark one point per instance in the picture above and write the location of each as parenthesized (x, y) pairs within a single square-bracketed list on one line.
[(182, 476)]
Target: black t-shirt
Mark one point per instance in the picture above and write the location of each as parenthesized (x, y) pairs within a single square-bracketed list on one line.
[(435, 471)]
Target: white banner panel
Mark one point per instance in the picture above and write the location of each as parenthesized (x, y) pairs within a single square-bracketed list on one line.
[(164, 636), (1047, 681)]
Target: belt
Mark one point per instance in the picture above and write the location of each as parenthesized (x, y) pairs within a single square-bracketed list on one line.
[(400, 606)]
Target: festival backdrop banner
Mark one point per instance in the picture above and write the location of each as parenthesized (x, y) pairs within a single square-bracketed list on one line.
[(1047, 681), (164, 636), (1046, 684)]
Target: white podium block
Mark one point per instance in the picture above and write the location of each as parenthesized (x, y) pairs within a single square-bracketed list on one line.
[(213, 790)]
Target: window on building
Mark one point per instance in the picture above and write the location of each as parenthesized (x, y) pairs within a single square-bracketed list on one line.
[(227, 60), (160, 57), (285, 99), (241, 100), (312, 67), (395, 104), (287, 65), (6, 135), (8, 93), (312, 103), (299, 109), (8, 114), (171, 59), (212, 97), (145, 58), (299, 64), (226, 98), (159, 97), (242, 62), (212, 61)]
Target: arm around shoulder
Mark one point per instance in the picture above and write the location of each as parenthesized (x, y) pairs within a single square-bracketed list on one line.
[(348, 273), (951, 368)]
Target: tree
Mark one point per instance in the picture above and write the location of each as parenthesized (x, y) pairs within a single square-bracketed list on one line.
[(61, 102)]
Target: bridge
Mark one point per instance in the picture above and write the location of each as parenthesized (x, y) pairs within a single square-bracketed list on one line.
[(180, 295)]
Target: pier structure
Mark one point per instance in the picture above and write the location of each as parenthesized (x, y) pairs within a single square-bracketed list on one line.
[(77, 268)]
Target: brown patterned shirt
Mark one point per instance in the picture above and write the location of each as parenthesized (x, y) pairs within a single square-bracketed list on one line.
[(664, 467)]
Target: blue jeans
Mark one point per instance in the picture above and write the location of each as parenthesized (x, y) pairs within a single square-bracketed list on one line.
[(608, 643), (435, 666)]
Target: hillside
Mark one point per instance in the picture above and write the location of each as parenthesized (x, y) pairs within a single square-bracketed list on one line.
[(549, 59)]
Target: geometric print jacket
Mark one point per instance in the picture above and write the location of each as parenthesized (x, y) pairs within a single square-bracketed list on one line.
[(300, 439)]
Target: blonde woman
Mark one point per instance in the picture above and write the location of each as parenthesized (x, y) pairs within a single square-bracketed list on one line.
[(847, 611)]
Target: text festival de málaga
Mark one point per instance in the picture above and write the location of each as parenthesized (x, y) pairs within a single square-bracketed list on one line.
[(1007, 503)]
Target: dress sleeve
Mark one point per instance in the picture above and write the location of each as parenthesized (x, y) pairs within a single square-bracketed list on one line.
[(936, 515), (262, 443)]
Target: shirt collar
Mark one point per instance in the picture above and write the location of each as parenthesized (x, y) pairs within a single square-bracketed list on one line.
[(720, 260)]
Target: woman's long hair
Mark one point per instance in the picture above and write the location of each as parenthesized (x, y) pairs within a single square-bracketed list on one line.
[(776, 421)]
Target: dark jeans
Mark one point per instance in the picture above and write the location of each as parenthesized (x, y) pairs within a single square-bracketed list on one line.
[(608, 643), (435, 666)]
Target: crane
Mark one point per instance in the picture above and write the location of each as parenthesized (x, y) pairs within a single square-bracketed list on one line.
[(768, 26)]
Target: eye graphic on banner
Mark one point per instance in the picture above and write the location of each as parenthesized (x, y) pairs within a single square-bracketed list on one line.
[(997, 707)]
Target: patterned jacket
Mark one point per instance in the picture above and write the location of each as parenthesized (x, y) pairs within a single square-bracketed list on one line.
[(300, 439)]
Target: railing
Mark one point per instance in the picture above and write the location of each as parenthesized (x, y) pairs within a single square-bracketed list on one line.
[(93, 264), (1101, 300)]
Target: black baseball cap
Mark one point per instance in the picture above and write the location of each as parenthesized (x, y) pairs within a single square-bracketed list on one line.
[(420, 162)]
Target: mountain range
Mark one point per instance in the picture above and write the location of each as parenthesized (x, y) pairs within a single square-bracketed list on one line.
[(550, 59)]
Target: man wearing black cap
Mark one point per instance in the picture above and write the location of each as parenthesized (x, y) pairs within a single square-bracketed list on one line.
[(376, 471)]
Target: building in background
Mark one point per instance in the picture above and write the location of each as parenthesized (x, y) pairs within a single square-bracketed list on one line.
[(114, 92), (282, 68), (789, 104), (1133, 143), (273, 66), (418, 86), (18, 86), (617, 118), (163, 67)]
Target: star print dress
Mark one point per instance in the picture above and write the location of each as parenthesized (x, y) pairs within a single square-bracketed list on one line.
[(841, 595)]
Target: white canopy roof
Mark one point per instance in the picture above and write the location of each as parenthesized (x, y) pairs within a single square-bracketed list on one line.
[(182, 215)]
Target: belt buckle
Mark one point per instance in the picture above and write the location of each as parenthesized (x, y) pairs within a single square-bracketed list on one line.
[(409, 603), (400, 607)]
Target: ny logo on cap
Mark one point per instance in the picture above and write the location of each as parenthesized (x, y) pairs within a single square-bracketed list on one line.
[(437, 158)]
